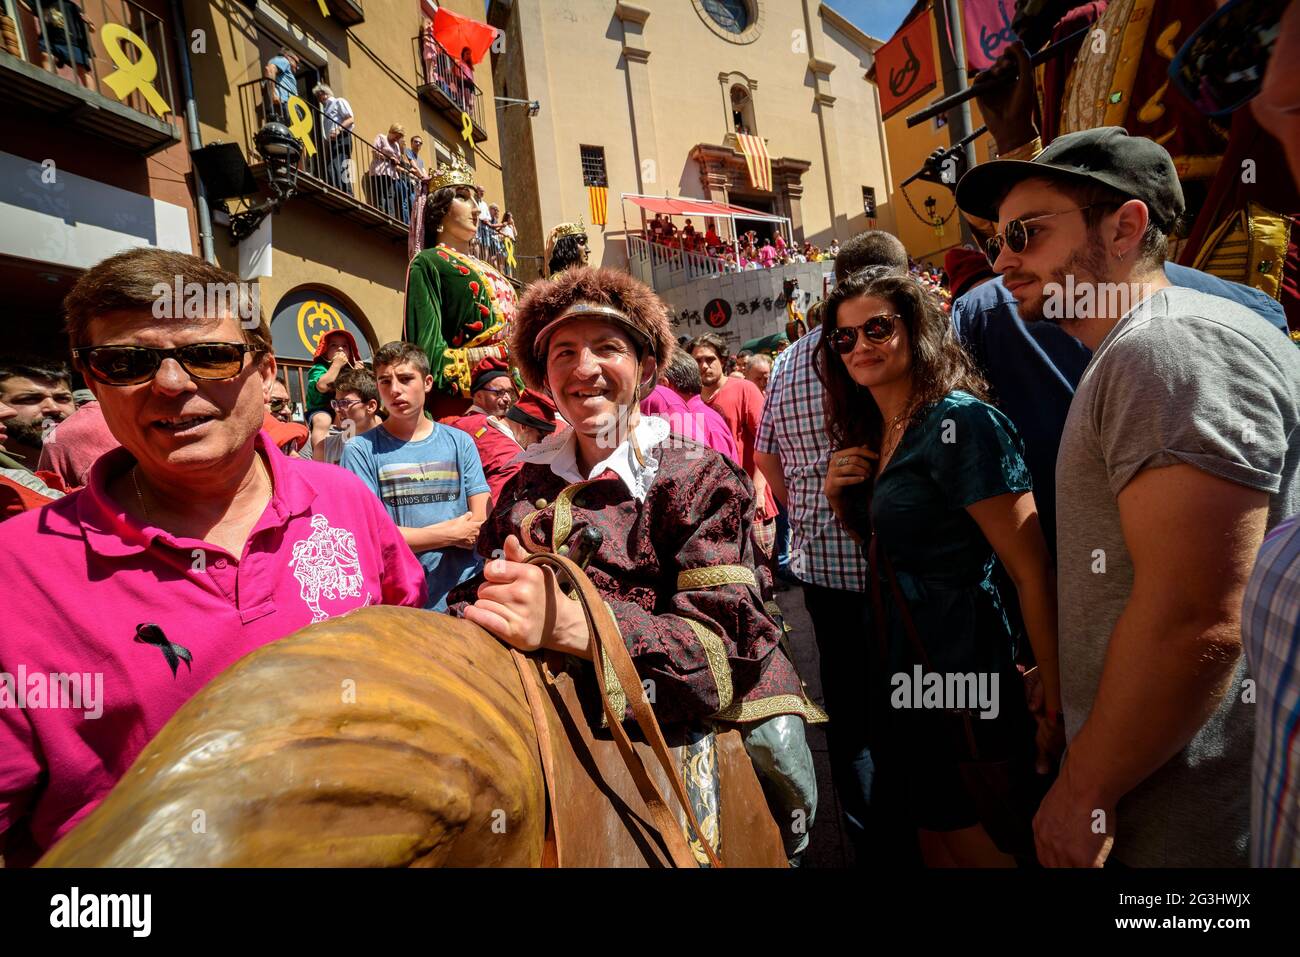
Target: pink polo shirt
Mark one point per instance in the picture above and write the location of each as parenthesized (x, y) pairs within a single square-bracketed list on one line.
[(81, 575)]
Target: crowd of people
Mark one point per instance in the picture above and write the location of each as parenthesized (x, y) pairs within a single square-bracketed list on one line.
[(749, 251), (1017, 522)]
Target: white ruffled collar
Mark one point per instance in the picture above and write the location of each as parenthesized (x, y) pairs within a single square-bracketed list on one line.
[(560, 452)]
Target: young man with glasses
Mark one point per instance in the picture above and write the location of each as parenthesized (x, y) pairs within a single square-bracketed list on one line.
[(192, 545), (356, 411), (1178, 453)]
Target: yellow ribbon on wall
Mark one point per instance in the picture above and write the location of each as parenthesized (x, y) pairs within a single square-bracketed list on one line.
[(323, 9), (301, 123), (467, 130), (510, 253), (129, 77)]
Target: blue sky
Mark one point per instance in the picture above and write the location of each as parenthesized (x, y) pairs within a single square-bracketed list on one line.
[(878, 18)]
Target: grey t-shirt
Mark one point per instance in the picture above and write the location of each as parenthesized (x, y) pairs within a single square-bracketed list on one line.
[(1189, 378)]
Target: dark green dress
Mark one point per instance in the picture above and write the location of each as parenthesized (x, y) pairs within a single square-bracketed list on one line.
[(961, 451)]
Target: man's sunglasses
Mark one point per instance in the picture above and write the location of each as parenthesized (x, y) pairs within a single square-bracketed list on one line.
[(1016, 233), (878, 329), (277, 405), (132, 365)]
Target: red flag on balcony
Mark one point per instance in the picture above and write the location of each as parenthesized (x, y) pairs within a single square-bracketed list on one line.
[(598, 198), (756, 158), (455, 33), (904, 67)]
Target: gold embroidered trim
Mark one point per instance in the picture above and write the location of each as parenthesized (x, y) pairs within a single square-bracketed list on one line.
[(744, 712), (564, 512), (614, 692), (694, 578), (715, 652), (1026, 152)]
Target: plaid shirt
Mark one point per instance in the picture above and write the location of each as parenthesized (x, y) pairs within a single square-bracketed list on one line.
[(1270, 626), (821, 553)]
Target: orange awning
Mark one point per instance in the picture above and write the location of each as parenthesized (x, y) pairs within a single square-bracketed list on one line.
[(699, 207)]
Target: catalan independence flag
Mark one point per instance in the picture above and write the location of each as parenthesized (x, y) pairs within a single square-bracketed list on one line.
[(598, 197), (756, 158)]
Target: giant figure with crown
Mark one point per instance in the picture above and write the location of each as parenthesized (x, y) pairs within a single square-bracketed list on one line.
[(458, 308)]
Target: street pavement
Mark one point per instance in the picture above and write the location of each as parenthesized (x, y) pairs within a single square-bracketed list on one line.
[(827, 846)]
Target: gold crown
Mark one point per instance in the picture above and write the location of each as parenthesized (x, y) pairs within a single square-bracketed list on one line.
[(569, 229), (457, 174)]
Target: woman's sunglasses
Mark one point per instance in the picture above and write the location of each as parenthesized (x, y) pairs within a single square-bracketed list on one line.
[(132, 365), (878, 329), (1016, 233)]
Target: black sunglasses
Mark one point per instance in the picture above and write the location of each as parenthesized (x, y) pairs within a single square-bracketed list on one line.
[(132, 365), (1016, 233), (878, 329)]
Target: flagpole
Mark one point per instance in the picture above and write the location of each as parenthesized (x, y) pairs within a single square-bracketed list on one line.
[(953, 44)]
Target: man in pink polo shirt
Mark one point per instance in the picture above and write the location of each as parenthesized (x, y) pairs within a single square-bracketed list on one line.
[(192, 545)]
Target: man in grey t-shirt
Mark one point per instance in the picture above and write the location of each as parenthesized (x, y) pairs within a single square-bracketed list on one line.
[(1179, 451)]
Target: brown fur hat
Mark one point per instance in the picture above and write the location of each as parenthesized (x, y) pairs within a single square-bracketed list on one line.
[(548, 299)]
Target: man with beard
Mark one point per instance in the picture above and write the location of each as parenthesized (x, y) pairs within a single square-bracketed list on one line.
[(41, 393), (1178, 455)]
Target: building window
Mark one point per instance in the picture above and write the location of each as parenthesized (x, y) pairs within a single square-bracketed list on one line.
[(734, 16), (869, 201), (593, 166), (742, 110)]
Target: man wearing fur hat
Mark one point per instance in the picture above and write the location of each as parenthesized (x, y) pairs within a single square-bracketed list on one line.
[(675, 558)]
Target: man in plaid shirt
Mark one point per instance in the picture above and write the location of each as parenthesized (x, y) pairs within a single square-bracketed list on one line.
[(793, 452), (1270, 626)]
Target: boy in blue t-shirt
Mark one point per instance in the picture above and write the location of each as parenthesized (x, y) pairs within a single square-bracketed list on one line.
[(427, 475)]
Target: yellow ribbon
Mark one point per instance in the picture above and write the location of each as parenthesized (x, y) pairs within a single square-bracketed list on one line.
[(302, 123), (323, 9), (510, 253), (129, 77), (467, 130)]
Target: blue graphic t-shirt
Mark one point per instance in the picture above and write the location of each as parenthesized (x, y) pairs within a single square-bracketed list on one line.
[(284, 77), (422, 483)]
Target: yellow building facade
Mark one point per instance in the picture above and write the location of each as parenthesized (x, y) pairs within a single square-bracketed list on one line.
[(649, 97), (335, 252)]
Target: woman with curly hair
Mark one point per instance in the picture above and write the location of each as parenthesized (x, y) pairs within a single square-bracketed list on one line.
[(932, 480), (458, 307)]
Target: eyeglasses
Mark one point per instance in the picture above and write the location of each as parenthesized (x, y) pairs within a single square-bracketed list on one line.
[(1016, 233), (132, 365), (342, 405), (277, 405), (509, 392), (878, 329)]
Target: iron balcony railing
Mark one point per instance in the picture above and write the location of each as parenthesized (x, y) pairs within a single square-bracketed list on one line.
[(664, 267), (57, 37), (343, 163), (448, 83)]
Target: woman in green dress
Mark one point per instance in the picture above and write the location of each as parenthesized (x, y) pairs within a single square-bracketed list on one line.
[(938, 476), (458, 308)]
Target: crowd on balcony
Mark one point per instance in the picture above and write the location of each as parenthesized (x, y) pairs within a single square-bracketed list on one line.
[(748, 252)]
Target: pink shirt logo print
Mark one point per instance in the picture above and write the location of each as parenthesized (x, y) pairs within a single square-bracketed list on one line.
[(325, 563)]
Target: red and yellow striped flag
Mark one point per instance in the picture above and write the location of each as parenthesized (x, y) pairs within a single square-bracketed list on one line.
[(598, 197), (756, 158)]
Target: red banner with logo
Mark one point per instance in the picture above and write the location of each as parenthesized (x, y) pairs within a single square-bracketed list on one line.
[(905, 67), (988, 30)]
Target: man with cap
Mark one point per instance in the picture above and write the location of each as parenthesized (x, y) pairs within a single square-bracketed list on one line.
[(500, 438), (674, 559), (1179, 452), (491, 388)]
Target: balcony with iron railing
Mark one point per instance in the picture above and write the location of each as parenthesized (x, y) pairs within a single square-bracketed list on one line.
[(344, 172), (664, 267), (83, 69), (347, 12), (447, 84)]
